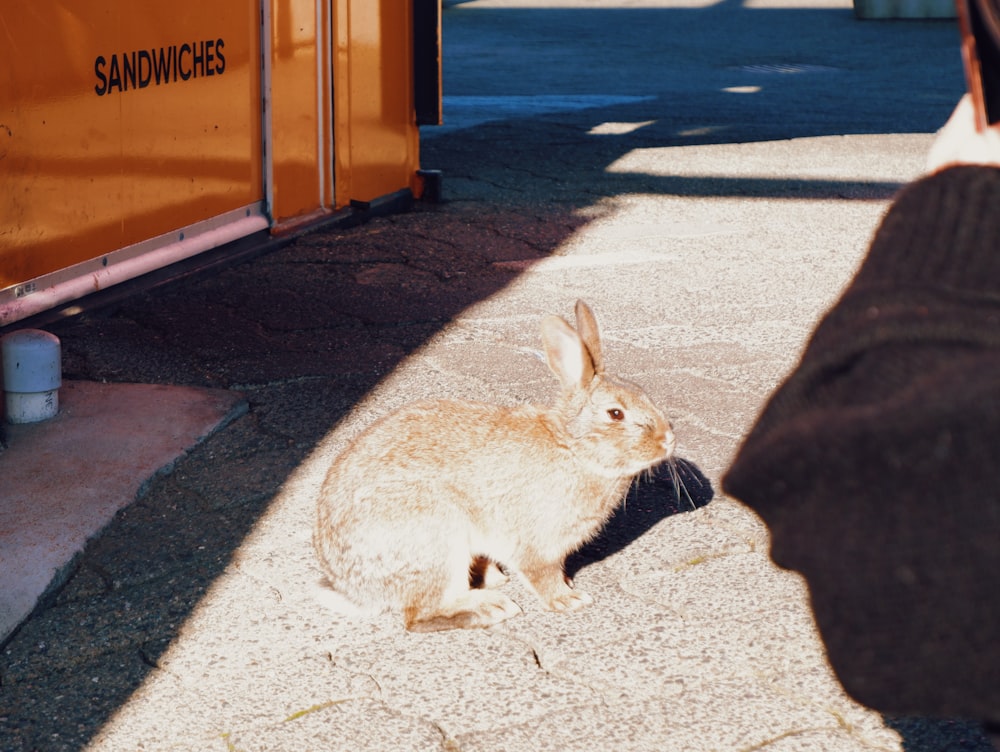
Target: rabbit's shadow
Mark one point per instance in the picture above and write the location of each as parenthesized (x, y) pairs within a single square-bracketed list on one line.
[(665, 494)]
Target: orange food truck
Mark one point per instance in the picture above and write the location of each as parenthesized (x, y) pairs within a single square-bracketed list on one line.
[(137, 135)]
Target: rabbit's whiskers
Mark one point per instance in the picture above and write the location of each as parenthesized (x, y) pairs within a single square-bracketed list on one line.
[(674, 467)]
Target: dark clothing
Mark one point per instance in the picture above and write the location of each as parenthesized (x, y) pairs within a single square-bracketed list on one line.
[(876, 465)]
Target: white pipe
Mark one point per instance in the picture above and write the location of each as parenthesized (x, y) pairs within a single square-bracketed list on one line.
[(32, 375)]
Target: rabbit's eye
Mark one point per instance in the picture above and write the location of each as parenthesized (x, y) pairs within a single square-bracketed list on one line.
[(615, 414)]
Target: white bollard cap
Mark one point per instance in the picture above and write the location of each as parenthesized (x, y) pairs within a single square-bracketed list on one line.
[(32, 375)]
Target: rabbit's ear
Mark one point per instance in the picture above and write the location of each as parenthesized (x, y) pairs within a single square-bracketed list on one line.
[(586, 325), (568, 357)]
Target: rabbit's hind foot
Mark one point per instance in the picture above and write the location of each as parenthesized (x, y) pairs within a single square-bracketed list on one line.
[(570, 601), (474, 609)]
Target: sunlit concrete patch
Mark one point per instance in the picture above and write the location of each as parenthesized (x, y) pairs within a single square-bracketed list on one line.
[(461, 112), (618, 129), (709, 588), (664, 230), (458, 678), (816, 160), (356, 725), (65, 478), (686, 722)]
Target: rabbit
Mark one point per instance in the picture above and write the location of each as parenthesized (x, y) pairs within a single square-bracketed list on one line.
[(436, 503)]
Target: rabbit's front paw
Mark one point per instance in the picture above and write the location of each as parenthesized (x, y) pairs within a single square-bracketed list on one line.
[(554, 588), (570, 601)]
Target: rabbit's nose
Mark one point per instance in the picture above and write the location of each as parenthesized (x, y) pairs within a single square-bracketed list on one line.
[(669, 443)]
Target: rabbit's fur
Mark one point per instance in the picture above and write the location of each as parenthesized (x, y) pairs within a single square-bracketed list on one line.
[(424, 508)]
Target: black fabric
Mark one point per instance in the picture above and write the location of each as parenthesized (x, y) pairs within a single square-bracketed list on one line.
[(876, 465)]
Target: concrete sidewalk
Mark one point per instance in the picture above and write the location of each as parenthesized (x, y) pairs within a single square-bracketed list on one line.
[(707, 175)]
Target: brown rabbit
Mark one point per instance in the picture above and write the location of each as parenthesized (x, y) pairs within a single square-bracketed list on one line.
[(422, 510)]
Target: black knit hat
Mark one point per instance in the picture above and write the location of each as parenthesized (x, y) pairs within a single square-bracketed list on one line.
[(876, 465)]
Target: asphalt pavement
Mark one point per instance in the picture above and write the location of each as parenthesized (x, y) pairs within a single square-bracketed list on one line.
[(707, 175)]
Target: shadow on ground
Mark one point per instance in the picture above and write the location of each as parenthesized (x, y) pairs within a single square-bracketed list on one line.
[(940, 735), (669, 491)]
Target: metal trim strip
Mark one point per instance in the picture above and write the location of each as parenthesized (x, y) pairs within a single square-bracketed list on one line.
[(29, 298)]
